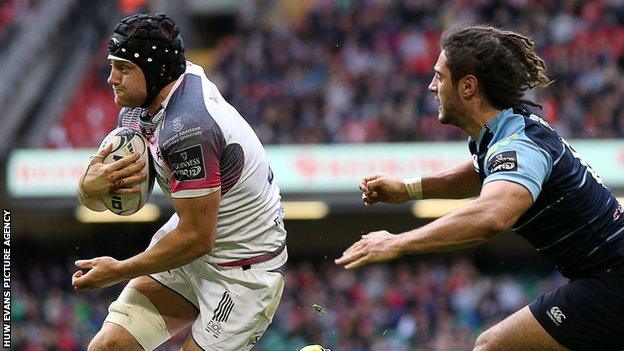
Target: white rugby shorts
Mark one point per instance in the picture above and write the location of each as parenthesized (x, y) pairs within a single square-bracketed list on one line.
[(235, 306)]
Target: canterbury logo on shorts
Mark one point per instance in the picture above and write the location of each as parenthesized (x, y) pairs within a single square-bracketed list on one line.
[(224, 308)]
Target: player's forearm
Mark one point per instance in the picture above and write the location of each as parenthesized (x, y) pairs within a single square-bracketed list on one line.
[(470, 225), (458, 182), (174, 250)]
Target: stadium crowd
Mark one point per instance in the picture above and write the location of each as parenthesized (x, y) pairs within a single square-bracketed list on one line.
[(424, 306), (358, 71), (13, 14)]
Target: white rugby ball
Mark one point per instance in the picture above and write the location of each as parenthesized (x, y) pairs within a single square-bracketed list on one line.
[(314, 348), (127, 141)]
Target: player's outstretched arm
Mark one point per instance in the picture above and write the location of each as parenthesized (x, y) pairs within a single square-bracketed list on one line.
[(380, 187), (100, 180), (193, 238), (458, 182), (498, 207)]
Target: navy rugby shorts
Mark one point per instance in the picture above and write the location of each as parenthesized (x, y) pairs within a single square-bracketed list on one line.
[(585, 314)]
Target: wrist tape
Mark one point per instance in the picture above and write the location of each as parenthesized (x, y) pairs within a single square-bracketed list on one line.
[(414, 188)]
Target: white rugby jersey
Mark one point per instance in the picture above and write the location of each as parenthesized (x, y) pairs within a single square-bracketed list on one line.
[(200, 144)]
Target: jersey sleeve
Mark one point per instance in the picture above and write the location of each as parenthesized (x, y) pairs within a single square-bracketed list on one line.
[(520, 161), (193, 157)]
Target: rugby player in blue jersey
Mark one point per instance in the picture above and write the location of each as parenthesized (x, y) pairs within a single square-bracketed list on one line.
[(526, 179)]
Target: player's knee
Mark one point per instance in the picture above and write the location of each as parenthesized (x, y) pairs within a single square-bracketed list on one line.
[(105, 342), (486, 341)]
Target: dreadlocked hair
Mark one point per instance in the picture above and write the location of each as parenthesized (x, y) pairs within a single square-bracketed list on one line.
[(504, 63)]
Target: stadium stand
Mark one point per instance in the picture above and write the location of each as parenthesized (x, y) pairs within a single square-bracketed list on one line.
[(90, 115), (12, 15), (322, 79)]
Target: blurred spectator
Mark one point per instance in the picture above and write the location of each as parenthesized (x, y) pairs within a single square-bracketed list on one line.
[(425, 306), (12, 14), (91, 114), (128, 7)]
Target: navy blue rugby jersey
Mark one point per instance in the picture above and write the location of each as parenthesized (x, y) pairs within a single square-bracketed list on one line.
[(575, 220)]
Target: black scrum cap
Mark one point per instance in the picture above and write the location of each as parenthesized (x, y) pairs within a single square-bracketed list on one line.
[(152, 42)]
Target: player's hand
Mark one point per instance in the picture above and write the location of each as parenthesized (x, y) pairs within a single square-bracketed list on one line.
[(381, 187), (115, 178), (373, 247), (102, 272)]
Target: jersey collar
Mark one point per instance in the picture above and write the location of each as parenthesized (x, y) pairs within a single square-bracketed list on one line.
[(493, 124), (176, 85), (189, 68)]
